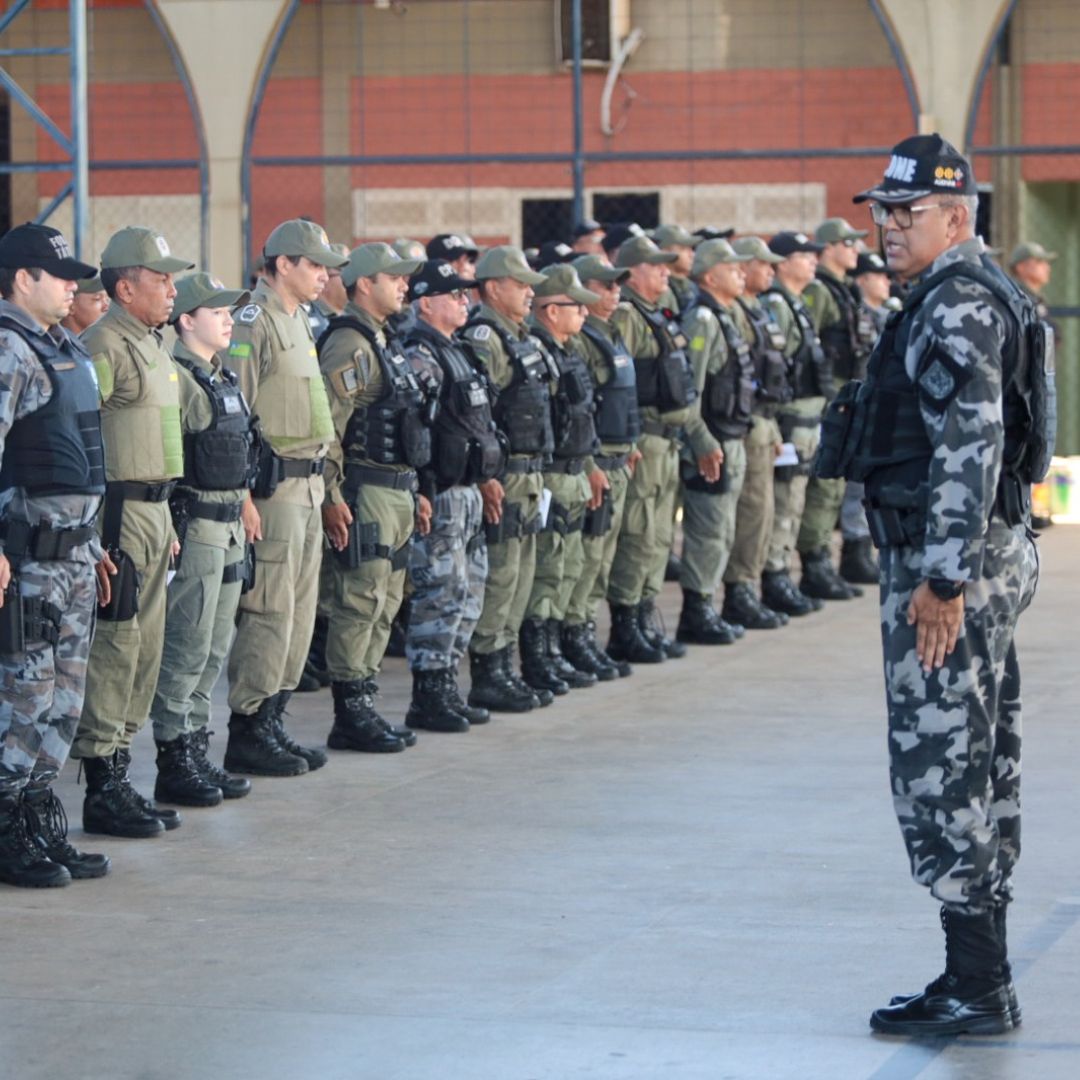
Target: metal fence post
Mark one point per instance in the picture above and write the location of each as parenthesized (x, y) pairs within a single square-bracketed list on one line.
[(579, 123), (80, 163)]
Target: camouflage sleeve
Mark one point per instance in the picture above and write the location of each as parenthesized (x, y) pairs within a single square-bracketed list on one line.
[(707, 346), (955, 359), (249, 357), (24, 385)]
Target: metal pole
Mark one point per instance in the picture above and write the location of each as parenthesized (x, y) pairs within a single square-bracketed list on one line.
[(80, 155), (579, 125)]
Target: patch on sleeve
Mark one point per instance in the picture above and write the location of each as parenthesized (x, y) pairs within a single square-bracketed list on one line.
[(345, 382), (941, 378), (248, 314), (240, 349), (480, 333), (697, 343)]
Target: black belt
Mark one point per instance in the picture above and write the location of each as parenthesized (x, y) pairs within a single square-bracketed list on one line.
[(611, 462), (657, 427), (42, 542), (525, 465), (301, 467), (210, 511), (139, 492), (571, 466), (357, 476), (802, 421)]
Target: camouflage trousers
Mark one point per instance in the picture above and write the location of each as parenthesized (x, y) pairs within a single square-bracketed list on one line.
[(954, 735), (41, 694), (447, 569)]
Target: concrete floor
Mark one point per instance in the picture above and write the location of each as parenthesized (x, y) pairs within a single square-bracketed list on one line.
[(692, 873)]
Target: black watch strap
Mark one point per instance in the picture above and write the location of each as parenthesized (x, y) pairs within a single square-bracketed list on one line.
[(944, 589)]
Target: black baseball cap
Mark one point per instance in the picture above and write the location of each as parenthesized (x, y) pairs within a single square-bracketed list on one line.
[(711, 232), (922, 165), (435, 278), (451, 246), (586, 226), (788, 243), (41, 246), (554, 251), (617, 235), (870, 262)]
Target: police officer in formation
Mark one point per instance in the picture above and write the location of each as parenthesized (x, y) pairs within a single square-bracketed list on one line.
[(682, 290), (91, 302), (943, 444), (52, 479)]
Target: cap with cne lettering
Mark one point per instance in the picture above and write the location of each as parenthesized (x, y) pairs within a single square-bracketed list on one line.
[(919, 166)]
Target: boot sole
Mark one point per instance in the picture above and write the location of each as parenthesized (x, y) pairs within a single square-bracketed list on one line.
[(988, 1025), (140, 833), (83, 873), (57, 883), (251, 770), (343, 744), (206, 801), (502, 706)]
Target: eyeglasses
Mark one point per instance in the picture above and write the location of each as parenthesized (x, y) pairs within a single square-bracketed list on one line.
[(903, 215)]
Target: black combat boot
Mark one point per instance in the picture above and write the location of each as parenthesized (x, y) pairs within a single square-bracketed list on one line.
[(820, 579), (406, 735), (570, 674), (48, 825), (742, 606), (253, 747), (232, 787), (314, 757), (699, 624), (601, 654), (780, 593), (473, 713), (974, 995), (575, 648), (536, 667), (170, 818), (110, 806), (510, 676), (356, 723), (178, 779), (491, 690), (857, 562), (651, 624), (315, 675), (431, 708), (23, 861), (627, 641)]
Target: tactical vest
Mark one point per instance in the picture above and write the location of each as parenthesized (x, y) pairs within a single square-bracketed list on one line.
[(391, 430), (222, 457), (727, 403), (572, 406), (523, 409), (770, 364), (850, 341), (617, 417), (294, 411), (809, 366), (57, 450), (466, 446), (665, 381)]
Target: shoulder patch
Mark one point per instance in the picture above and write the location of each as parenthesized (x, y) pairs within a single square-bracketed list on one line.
[(480, 333), (941, 378), (240, 349), (249, 313)]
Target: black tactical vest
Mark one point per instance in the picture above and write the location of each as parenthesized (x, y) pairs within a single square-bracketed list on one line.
[(665, 381), (572, 406), (466, 445), (849, 342), (728, 400), (391, 430), (770, 364), (811, 375), (617, 416), (523, 409), (57, 450), (222, 457)]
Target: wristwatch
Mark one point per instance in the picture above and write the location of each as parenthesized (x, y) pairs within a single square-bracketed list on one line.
[(944, 589)]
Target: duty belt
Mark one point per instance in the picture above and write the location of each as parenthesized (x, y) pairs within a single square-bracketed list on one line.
[(42, 542), (139, 492), (795, 420), (571, 466), (301, 467), (525, 465), (611, 462), (659, 428), (210, 511), (357, 476)]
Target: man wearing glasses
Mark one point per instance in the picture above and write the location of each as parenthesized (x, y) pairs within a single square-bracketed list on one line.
[(941, 443)]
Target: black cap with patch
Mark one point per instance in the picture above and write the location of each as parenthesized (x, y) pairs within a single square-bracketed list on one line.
[(33, 246), (588, 225), (618, 234), (920, 166), (788, 243), (435, 278), (554, 251), (451, 246), (870, 262)]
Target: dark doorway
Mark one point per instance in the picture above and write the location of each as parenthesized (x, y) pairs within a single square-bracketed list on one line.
[(546, 219), (642, 207)]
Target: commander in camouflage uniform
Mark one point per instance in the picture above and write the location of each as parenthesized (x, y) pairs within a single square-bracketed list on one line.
[(945, 408)]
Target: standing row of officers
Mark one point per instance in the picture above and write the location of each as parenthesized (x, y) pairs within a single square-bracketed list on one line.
[(518, 461)]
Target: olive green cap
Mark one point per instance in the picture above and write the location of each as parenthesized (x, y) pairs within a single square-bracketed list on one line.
[(340, 249), (300, 237), (1030, 250), (90, 284), (202, 290), (136, 246), (756, 248), (562, 279), (409, 249), (833, 230), (370, 259), (640, 249), (674, 234), (713, 252), (506, 261), (593, 268)]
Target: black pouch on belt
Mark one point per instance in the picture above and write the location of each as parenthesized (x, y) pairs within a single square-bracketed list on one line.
[(12, 629)]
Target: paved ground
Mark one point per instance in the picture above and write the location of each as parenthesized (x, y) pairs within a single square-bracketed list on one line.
[(691, 874)]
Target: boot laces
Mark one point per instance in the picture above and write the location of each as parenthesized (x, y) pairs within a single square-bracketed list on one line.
[(51, 820)]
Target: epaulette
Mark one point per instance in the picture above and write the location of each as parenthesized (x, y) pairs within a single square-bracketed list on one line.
[(248, 313), (478, 333)]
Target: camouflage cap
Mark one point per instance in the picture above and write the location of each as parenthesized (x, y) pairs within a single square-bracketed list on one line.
[(136, 246), (408, 249), (201, 290), (640, 249), (506, 261), (593, 268), (90, 285), (562, 280), (712, 253), (367, 260), (674, 234), (835, 229), (756, 248), (1030, 250), (306, 238)]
